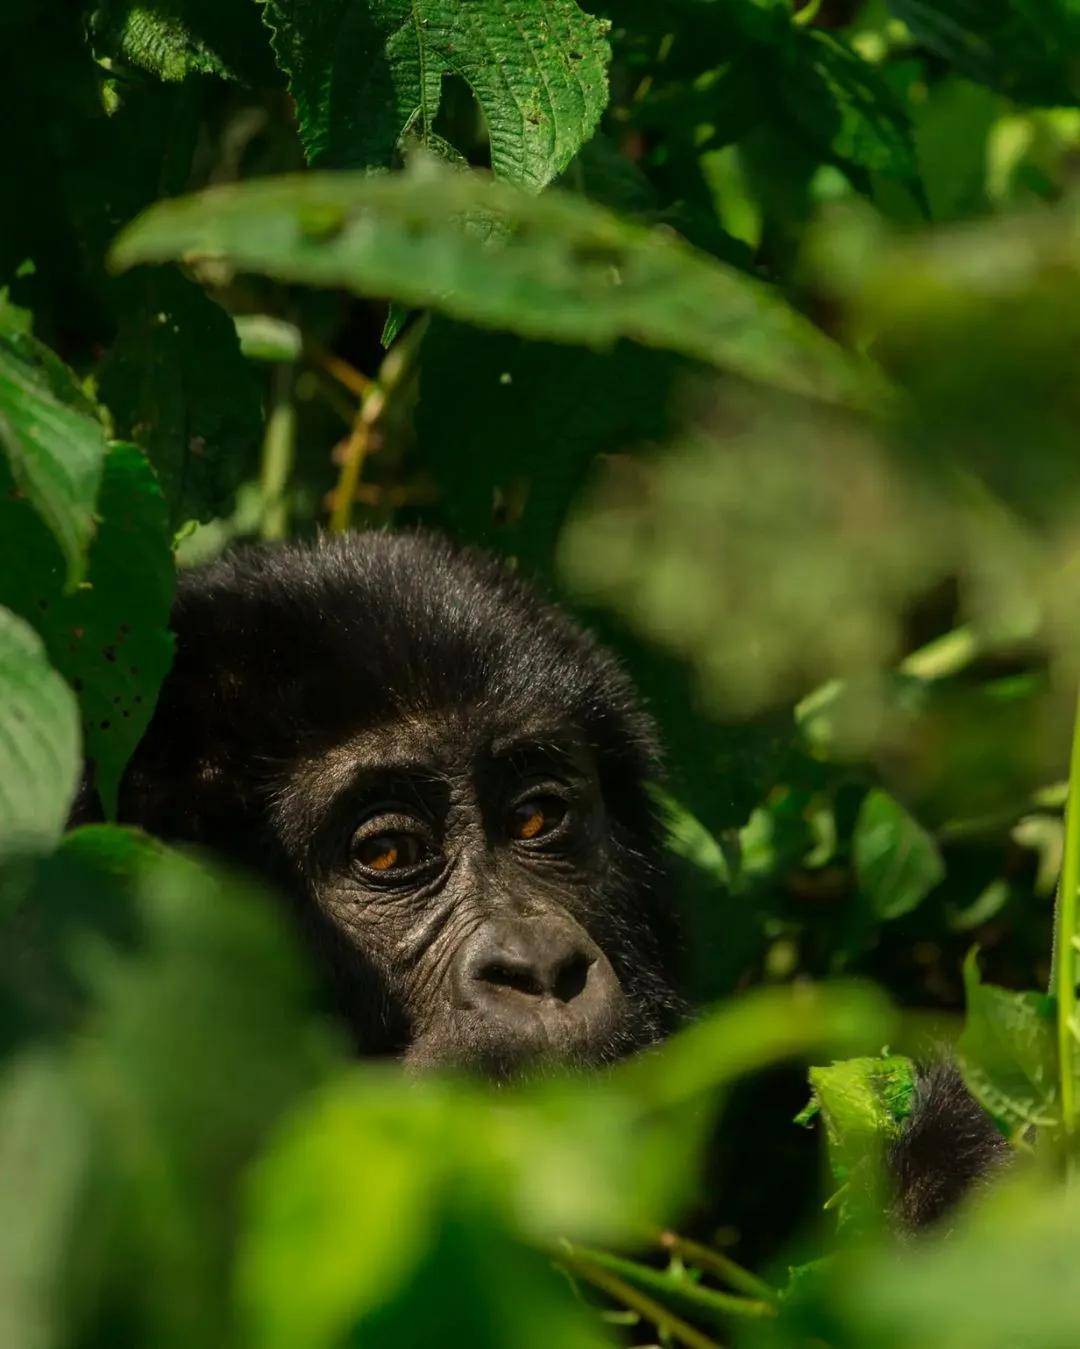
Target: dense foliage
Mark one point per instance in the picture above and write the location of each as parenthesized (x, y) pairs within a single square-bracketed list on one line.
[(748, 328)]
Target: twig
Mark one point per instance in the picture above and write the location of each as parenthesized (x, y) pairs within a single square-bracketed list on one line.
[(719, 1264), (619, 1290), (1063, 968)]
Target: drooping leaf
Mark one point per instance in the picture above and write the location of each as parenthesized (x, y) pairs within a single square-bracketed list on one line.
[(40, 752), (365, 71), (1025, 48), (896, 861), (53, 440), (1008, 1053), (559, 267), (177, 384), (108, 638)]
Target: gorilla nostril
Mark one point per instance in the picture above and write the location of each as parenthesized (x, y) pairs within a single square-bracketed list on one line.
[(501, 975), (571, 976)]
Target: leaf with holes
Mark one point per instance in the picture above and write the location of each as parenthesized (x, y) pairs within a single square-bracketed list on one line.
[(365, 71), (109, 638), (558, 267), (40, 757)]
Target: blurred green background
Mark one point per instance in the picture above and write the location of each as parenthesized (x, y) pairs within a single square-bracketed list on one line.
[(757, 348)]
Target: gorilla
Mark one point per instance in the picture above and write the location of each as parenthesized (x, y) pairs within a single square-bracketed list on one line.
[(448, 780)]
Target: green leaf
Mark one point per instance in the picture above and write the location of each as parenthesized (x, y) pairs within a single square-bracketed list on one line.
[(1008, 1053), (863, 1103), (896, 861), (843, 107), (1025, 48), (177, 385), (44, 1154), (365, 71), (40, 753), (560, 268), (54, 443), (177, 38), (109, 639)]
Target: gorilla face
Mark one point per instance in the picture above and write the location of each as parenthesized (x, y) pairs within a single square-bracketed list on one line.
[(446, 776)]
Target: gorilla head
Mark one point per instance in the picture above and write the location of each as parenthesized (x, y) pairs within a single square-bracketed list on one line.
[(445, 774)]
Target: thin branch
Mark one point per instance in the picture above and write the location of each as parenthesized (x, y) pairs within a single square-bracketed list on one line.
[(732, 1273)]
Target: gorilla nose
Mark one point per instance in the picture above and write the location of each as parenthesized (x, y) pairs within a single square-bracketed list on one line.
[(547, 966)]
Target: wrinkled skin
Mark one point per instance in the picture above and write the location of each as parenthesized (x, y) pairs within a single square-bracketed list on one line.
[(447, 779)]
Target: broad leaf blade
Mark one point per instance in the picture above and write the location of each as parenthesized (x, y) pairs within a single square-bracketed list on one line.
[(40, 755), (177, 385), (110, 637), (54, 445), (1008, 1053), (559, 268), (363, 72), (896, 861)]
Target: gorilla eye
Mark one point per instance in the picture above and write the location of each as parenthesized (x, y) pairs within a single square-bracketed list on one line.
[(535, 817), (391, 851)]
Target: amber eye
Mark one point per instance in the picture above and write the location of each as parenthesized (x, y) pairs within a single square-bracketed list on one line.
[(535, 817), (390, 852)]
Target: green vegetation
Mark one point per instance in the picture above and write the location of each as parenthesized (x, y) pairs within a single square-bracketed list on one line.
[(750, 329)]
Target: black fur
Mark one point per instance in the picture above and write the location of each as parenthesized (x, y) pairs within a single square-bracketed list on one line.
[(297, 664), (949, 1144)]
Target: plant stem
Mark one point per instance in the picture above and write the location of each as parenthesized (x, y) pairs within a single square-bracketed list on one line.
[(719, 1264), (279, 451), (575, 1262), (1063, 969)]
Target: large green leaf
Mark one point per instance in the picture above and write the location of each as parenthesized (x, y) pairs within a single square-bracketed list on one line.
[(110, 637), (364, 71), (1025, 48), (40, 753), (559, 267), (177, 384), (896, 861), (54, 442)]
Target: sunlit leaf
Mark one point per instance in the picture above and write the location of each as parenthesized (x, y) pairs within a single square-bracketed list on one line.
[(896, 861), (558, 268), (40, 751)]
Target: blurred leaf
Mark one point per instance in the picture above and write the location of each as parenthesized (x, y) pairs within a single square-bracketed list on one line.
[(40, 758), (177, 38), (896, 861), (863, 1104), (44, 1153), (1008, 1053), (1025, 48), (364, 71), (843, 106), (109, 638), (559, 268), (199, 1036), (177, 385), (759, 1028), (54, 442)]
